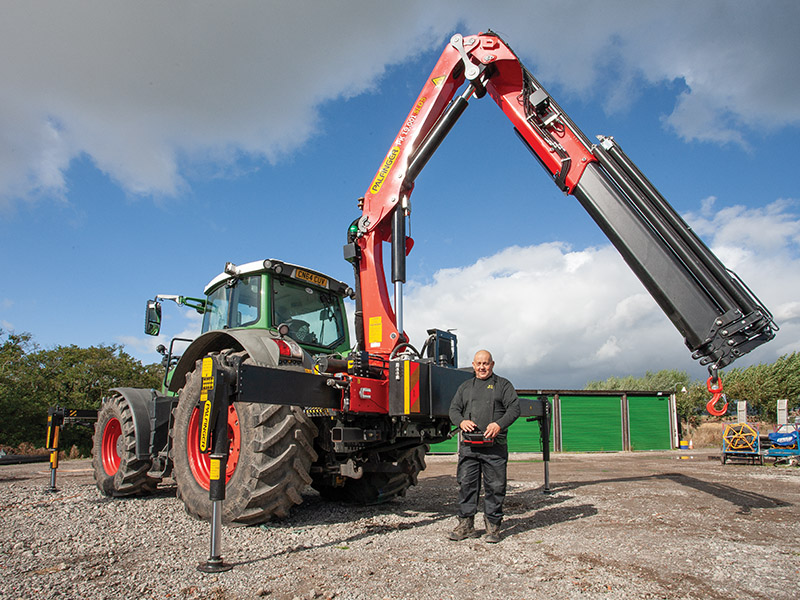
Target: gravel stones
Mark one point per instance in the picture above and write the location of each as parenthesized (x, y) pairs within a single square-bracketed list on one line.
[(616, 526)]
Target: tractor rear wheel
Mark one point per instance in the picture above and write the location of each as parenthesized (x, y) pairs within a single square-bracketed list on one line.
[(377, 487), (117, 470), (270, 455)]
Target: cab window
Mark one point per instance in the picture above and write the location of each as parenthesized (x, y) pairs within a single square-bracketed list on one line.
[(235, 304), (314, 316)]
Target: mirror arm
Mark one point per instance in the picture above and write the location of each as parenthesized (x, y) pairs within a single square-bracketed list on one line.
[(199, 304)]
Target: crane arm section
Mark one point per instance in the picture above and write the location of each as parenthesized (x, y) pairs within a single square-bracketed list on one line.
[(718, 316)]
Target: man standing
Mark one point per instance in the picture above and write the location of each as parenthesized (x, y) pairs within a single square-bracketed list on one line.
[(486, 403)]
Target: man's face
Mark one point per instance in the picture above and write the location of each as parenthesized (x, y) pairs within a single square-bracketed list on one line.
[(483, 365)]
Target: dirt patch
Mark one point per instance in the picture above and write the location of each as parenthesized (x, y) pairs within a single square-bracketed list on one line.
[(627, 525)]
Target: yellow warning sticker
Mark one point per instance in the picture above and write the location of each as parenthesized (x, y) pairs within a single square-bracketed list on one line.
[(375, 331), (438, 81), (207, 373), (214, 469)]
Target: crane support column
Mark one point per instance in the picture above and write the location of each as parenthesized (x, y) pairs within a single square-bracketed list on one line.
[(55, 419), (213, 434)]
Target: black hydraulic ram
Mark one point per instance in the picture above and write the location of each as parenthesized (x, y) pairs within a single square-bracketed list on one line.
[(718, 316)]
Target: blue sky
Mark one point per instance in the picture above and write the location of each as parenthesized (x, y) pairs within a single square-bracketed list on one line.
[(144, 145)]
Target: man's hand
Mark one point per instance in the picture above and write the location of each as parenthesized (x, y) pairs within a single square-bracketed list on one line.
[(467, 425), (492, 429)]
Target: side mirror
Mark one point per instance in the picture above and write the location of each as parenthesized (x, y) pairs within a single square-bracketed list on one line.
[(152, 318)]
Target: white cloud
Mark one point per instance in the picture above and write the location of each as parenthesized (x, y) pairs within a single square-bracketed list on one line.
[(145, 90), (770, 229), (555, 316)]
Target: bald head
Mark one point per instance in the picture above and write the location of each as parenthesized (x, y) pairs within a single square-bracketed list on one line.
[(483, 364)]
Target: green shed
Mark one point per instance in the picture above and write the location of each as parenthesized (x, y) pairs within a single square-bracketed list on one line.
[(595, 421)]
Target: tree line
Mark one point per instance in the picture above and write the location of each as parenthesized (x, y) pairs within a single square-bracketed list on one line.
[(33, 379), (760, 385)]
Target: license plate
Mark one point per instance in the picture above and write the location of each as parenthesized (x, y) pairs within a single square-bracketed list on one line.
[(312, 278)]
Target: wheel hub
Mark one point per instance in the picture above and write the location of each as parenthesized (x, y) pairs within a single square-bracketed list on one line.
[(112, 438), (200, 463)]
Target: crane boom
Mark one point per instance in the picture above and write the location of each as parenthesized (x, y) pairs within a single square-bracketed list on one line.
[(718, 316)]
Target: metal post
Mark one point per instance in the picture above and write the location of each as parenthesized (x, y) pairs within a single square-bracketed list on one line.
[(398, 306), (53, 469), (544, 427), (398, 262), (214, 411), (215, 563)]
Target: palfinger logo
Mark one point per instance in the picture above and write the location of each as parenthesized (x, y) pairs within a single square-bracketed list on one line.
[(383, 173), (204, 426)]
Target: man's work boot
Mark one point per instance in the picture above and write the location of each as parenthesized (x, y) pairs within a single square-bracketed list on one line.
[(492, 531), (465, 529)]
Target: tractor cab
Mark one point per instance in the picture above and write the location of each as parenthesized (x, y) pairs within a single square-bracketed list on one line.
[(270, 294)]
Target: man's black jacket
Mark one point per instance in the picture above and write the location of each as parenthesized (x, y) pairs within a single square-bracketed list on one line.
[(484, 401)]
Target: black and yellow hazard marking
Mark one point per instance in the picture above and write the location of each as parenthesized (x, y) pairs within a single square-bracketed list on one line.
[(52, 434)]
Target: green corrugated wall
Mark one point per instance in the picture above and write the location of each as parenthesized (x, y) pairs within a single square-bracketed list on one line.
[(649, 423), (450, 445), (591, 424)]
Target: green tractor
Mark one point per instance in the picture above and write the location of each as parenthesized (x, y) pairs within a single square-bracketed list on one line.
[(267, 313)]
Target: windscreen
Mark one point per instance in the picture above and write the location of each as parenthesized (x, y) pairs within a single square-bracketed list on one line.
[(314, 316)]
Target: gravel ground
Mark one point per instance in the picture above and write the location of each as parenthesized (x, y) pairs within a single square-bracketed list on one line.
[(644, 525)]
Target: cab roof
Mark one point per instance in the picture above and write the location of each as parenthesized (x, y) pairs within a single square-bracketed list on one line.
[(284, 269)]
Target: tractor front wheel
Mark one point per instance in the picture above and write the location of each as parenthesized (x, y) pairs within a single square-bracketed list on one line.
[(117, 470), (270, 455)]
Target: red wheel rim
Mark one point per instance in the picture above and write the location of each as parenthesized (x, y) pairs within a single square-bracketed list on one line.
[(200, 463), (111, 458)]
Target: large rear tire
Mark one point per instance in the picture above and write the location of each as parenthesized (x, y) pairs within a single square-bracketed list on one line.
[(270, 455), (378, 487), (117, 470)]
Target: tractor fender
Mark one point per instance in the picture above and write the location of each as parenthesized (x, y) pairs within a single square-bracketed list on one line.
[(141, 403), (258, 343)]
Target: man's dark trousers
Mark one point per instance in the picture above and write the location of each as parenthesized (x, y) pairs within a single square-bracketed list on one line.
[(490, 462)]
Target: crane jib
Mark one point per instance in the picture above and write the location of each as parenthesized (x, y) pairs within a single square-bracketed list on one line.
[(719, 317)]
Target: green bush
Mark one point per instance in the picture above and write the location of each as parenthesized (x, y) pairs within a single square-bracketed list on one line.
[(33, 379)]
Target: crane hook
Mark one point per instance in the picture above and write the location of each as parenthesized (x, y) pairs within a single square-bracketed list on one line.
[(714, 385)]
